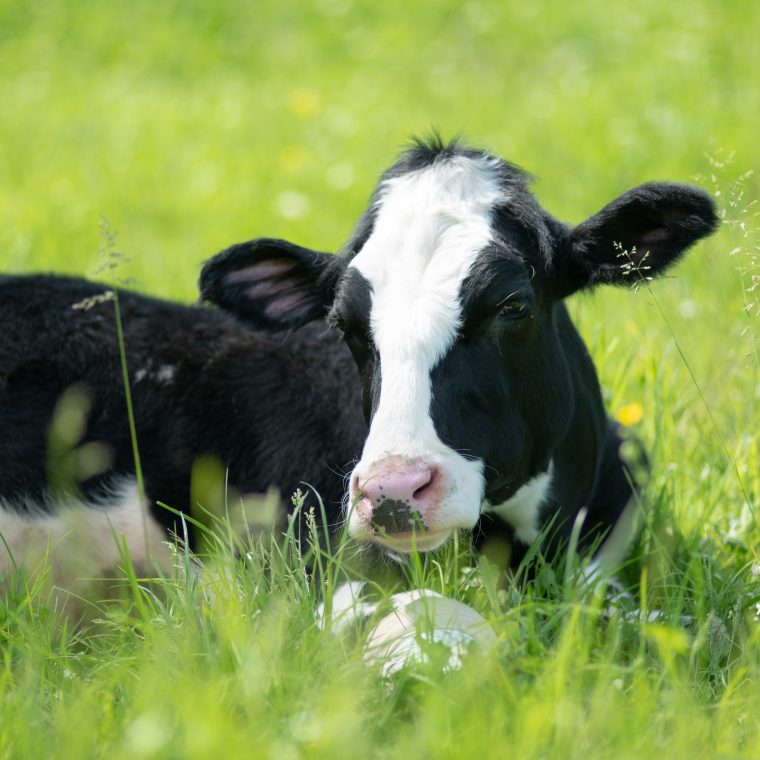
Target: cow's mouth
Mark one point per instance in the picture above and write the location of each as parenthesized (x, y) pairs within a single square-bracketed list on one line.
[(406, 543)]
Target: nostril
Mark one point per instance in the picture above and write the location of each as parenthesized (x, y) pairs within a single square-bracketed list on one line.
[(422, 490)]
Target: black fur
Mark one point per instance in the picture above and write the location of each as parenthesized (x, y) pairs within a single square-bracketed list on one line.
[(275, 410)]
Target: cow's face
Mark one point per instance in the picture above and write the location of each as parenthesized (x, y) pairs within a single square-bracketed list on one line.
[(449, 325), (447, 299)]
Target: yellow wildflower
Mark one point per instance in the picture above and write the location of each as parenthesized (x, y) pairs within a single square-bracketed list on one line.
[(630, 414)]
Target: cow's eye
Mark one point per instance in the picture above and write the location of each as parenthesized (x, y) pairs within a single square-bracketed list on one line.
[(514, 308)]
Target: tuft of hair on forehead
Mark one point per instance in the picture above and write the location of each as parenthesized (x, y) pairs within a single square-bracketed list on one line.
[(424, 152)]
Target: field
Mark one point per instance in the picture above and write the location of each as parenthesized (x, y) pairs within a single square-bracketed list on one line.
[(168, 130)]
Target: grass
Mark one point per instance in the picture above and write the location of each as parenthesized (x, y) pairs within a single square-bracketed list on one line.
[(190, 126)]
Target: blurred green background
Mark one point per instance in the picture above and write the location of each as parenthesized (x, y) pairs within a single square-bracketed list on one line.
[(192, 125), (188, 126)]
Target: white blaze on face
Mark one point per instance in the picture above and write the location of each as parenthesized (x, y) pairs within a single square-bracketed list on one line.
[(429, 227)]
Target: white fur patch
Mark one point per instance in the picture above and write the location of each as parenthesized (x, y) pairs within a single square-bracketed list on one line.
[(164, 375), (613, 550), (429, 228), (420, 618), (79, 542), (522, 510)]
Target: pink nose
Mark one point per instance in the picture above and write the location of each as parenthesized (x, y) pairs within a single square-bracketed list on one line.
[(398, 494)]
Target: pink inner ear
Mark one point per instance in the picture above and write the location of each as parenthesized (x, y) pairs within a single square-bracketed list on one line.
[(261, 271), (287, 304), (657, 235), (269, 288)]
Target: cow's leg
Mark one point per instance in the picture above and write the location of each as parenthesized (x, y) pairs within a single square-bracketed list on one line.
[(614, 511)]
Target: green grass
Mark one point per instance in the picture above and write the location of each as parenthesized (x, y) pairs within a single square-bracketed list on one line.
[(190, 126)]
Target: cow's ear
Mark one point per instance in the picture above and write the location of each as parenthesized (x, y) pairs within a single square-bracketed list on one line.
[(272, 284), (638, 235)]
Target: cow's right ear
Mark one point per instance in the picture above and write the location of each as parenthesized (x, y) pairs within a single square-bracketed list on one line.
[(272, 284)]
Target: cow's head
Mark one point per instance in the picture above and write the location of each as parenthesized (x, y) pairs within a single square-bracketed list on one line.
[(446, 295)]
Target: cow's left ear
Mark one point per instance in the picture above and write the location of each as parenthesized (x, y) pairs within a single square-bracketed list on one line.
[(640, 234), (272, 284)]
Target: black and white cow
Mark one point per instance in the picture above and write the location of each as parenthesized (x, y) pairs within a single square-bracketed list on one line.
[(483, 405)]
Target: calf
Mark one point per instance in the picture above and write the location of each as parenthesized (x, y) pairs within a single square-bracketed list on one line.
[(483, 404)]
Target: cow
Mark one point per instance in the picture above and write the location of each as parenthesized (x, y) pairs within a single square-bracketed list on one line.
[(483, 404), (426, 379)]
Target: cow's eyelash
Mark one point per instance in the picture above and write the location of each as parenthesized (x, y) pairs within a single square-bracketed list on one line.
[(513, 294)]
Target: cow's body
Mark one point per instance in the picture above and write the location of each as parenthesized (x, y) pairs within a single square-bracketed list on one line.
[(483, 404), (274, 410)]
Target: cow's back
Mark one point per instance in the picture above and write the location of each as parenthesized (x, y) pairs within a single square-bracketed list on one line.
[(271, 410)]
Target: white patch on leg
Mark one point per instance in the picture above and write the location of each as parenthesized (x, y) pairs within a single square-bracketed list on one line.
[(79, 541), (522, 510), (612, 552), (430, 226)]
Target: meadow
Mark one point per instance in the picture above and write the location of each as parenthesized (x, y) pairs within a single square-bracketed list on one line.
[(168, 130)]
